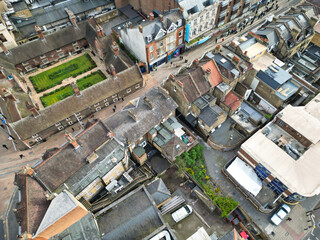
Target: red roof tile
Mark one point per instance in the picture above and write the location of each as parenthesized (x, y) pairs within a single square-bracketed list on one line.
[(215, 77), (231, 101)]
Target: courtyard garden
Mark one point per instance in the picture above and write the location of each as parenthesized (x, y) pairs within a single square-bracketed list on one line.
[(56, 75), (193, 163), (66, 91)]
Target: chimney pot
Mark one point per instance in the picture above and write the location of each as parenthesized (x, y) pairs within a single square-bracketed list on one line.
[(76, 89), (171, 76), (246, 52), (39, 32), (235, 58), (151, 16), (208, 70), (32, 109), (113, 71)]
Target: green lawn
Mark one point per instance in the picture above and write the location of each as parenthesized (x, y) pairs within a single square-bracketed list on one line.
[(90, 80), (56, 75), (56, 96), (66, 91)]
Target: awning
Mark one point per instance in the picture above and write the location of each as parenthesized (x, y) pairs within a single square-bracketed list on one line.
[(245, 176)]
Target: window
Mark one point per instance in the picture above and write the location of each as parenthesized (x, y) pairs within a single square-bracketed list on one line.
[(98, 109), (137, 85), (114, 96), (115, 100), (180, 41), (96, 105), (179, 22), (181, 33), (70, 122), (129, 90), (42, 56), (151, 56), (174, 88), (61, 54), (68, 119), (60, 128), (106, 104), (38, 139), (2, 38), (151, 48), (58, 124), (58, 50), (28, 68), (45, 61)]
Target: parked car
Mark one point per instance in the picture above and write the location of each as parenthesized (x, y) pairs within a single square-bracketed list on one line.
[(181, 213), (280, 214)]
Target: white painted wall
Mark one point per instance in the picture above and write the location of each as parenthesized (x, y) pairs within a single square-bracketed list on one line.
[(134, 42)]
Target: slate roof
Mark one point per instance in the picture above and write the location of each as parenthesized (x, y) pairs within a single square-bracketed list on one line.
[(158, 191), (129, 11), (88, 173), (208, 116), (274, 77), (61, 110), (125, 128), (132, 217), (33, 205), (270, 34), (57, 169), (85, 229)]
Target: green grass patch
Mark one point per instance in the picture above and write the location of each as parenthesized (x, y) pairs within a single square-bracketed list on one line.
[(57, 95), (193, 162), (90, 80), (56, 75)]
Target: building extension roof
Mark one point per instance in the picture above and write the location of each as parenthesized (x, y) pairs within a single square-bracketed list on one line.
[(274, 76), (135, 120), (132, 217), (158, 191), (270, 34), (61, 110), (299, 175), (231, 101), (85, 229), (55, 170), (208, 116), (193, 6), (33, 205)]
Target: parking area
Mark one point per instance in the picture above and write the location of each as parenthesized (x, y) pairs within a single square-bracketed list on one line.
[(201, 215)]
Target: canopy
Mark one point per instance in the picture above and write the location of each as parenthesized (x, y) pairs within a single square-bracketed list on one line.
[(245, 176)]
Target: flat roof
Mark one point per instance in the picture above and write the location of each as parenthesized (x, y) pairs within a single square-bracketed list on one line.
[(301, 175), (255, 49)]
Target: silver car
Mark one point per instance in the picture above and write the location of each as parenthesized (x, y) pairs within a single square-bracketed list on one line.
[(280, 214)]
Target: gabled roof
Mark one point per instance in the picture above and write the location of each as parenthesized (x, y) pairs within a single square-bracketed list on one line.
[(231, 101), (61, 110), (214, 77), (33, 205), (55, 170)]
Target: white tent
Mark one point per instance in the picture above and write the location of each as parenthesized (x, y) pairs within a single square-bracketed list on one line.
[(245, 176)]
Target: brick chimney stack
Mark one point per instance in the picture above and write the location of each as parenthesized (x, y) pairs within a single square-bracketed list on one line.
[(195, 63), (72, 17), (148, 102), (5, 50), (113, 71), (99, 30), (140, 29), (115, 48), (151, 16), (161, 17), (75, 89), (38, 30), (72, 140), (32, 109)]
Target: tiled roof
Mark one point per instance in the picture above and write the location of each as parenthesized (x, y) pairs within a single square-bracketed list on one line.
[(215, 77), (231, 101)]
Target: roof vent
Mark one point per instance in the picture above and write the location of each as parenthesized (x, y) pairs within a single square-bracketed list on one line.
[(149, 38), (223, 60), (114, 160)]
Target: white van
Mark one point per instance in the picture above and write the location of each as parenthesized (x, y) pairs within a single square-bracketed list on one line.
[(181, 213)]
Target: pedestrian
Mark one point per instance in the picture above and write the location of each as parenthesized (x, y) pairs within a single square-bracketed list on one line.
[(114, 110), (171, 63), (72, 129), (115, 107), (5, 146), (289, 219), (2, 126), (122, 99), (21, 156)]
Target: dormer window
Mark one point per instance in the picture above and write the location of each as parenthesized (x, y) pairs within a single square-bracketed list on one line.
[(149, 38)]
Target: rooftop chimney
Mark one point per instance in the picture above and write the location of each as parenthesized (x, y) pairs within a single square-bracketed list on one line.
[(130, 24), (195, 63), (5, 50), (181, 9), (208, 70), (115, 48), (72, 140), (171, 77), (161, 17), (38, 30), (72, 17), (148, 103), (99, 30), (151, 16), (245, 52), (132, 115), (113, 71), (140, 29), (236, 59), (75, 88), (32, 109), (217, 49)]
